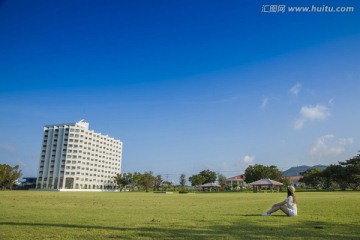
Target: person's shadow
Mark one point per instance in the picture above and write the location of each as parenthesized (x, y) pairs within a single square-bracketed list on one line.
[(259, 215)]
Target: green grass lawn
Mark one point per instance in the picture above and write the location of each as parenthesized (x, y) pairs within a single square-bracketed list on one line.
[(126, 215)]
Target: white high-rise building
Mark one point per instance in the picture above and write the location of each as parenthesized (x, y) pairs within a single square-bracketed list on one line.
[(74, 157)]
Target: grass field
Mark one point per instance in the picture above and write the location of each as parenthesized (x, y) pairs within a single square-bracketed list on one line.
[(126, 215)]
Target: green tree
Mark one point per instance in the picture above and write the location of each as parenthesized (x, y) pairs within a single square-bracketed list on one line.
[(123, 180), (210, 176), (117, 180), (352, 171), (182, 180), (137, 180), (342, 177), (313, 178), (148, 180), (221, 180), (257, 172), (8, 175), (335, 175), (205, 176), (275, 173), (197, 179), (157, 182)]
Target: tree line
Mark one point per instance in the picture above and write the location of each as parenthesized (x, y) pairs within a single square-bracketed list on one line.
[(343, 175), (140, 181), (148, 181)]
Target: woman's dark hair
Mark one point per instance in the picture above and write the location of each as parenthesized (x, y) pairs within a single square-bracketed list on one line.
[(290, 194)]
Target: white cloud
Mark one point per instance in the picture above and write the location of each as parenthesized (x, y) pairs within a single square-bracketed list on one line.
[(311, 113), (295, 89), (329, 146), (249, 159), (8, 148), (318, 112)]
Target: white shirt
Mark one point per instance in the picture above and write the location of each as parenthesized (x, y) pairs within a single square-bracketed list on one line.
[(291, 206)]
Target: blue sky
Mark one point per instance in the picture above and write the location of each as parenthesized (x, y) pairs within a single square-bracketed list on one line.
[(186, 85)]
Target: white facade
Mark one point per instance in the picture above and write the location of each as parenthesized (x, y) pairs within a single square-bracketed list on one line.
[(73, 157)]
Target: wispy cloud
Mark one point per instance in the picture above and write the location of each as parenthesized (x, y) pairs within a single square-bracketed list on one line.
[(299, 123), (8, 148), (249, 159), (311, 113), (329, 146), (265, 102), (295, 89)]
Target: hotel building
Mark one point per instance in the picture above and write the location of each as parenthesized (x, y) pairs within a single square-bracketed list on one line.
[(74, 157)]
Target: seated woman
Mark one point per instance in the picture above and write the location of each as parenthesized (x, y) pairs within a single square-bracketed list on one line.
[(288, 206)]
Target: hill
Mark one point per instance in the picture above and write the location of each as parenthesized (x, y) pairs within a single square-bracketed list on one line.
[(295, 171)]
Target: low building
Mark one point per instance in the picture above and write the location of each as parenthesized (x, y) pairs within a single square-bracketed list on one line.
[(295, 180), (29, 183), (238, 180)]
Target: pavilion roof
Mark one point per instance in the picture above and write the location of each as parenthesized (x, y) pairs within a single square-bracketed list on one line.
[(265, 182), (210, 185)]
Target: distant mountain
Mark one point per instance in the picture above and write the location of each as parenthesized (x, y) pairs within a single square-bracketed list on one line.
[(295, 171)]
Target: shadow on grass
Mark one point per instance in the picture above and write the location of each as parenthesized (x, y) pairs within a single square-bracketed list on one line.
[(62, 225), (242, 229), (258, 215)]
